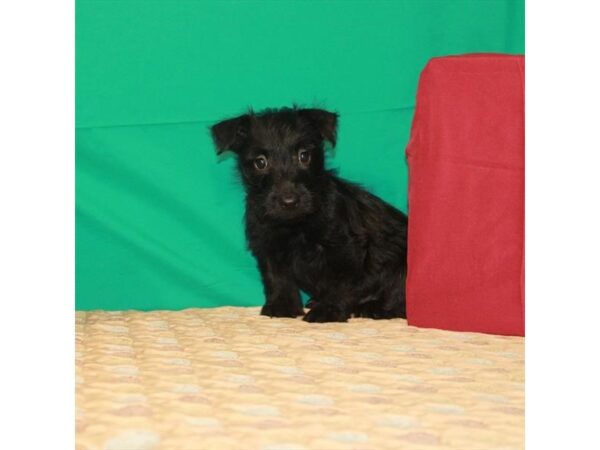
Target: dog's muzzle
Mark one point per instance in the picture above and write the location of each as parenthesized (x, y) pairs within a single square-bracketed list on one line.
[(289, 200)]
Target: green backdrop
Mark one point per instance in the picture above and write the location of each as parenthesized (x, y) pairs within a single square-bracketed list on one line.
[(158, 217)]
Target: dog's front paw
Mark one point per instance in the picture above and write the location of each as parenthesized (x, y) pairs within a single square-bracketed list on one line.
[(325, 313), (281, 310)]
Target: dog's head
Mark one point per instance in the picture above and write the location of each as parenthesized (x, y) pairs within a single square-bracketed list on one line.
[(280, 157)]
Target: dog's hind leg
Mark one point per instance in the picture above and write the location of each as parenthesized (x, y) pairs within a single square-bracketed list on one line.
[(389, 303)]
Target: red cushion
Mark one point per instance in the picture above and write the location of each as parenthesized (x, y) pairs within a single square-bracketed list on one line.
[(466, 196)]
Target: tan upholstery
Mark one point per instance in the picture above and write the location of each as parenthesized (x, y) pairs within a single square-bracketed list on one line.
[(227, 378)]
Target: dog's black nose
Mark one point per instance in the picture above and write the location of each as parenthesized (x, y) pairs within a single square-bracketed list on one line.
[(289, 200)]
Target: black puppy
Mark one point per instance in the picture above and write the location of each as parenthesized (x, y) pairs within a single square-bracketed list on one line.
[(309, 229)]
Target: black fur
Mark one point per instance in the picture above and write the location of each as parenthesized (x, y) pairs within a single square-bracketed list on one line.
[(309, 229)]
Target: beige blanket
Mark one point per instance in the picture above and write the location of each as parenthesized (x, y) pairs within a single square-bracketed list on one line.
[(227, 378)]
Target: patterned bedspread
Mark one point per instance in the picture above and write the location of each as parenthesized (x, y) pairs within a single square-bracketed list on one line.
[(227, 378)]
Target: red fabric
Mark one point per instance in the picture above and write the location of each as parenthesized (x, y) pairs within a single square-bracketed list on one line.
[(466, 196)]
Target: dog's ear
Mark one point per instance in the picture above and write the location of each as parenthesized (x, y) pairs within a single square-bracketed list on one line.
[(325, 122), (230, 134)]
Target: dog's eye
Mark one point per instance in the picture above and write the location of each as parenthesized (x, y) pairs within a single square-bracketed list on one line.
[(261, 162), (304, 156)]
